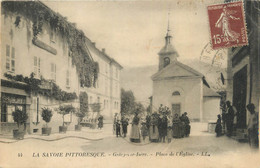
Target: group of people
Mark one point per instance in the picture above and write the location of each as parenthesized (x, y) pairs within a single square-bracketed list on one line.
[(228, 122), (158, 127), (161, 126)]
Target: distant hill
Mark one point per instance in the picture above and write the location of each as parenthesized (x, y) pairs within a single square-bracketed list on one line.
[(138, 79)]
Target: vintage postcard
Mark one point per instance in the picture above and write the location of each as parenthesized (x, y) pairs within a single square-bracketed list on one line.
[(128, 84)]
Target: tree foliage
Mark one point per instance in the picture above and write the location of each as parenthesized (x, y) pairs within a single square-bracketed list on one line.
[(83, 99), (39, 15), (19, 117), (46, 115), (35, 86), (83, 109), (65, 109), (139, 108), (95, 107), (127, 102)]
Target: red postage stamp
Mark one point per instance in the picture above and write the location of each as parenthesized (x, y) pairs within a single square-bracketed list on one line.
[(227, 25)]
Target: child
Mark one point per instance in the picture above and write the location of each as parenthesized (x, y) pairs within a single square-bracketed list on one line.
[(218, 128), (144, 130)]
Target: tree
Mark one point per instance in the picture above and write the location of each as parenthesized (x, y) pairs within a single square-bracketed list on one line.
[(20, 117), (83, 109), (96, 107), (127, 102), (46, 115), (65, 109), (139, 108)]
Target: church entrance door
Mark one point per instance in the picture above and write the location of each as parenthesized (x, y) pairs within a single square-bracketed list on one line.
[(176, 108)]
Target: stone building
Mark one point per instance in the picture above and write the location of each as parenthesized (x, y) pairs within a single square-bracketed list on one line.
[(107, 88), (243, 68), (47, 62), (182, 88)]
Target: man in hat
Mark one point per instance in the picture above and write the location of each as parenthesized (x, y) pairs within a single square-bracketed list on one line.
[(124, 122), (118, 133)]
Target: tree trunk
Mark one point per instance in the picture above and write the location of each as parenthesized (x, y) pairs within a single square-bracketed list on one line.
[(62, 120), (24, 127)]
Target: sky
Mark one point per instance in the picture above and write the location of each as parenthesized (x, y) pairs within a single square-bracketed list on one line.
[(132, 32)]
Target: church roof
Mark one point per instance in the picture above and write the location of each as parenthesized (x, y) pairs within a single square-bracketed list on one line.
[(187, 68), (168, 49), (207, 92)]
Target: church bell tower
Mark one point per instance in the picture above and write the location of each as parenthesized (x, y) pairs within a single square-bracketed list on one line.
[(167, 54)]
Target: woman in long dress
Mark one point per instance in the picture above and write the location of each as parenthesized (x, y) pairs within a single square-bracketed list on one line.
[(135, 132), (176, 127), (153, 130), (223, 22)]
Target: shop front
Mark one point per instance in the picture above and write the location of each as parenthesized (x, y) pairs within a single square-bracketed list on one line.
[(11, 100)]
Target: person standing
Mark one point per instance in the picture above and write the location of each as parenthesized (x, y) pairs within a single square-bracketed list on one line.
[(164, 122), (218, 128), (135, 132), (223, 108), (144, 130), (118, 128), (114, 123), (160, 127), (176, 126), (148, 123), (186, 121), (231, 111), (100, 122), (124, 125), (252, 127), (169, 129), (153, 129)]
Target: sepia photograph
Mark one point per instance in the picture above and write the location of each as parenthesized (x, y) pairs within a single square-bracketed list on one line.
[(128, 84)]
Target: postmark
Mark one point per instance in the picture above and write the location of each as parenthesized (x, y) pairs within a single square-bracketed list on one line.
[(227, 25)]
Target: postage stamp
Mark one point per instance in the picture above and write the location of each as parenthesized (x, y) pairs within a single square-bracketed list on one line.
[(227, 25)]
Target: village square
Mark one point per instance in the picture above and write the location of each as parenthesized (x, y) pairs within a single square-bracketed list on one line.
[(102, 80)]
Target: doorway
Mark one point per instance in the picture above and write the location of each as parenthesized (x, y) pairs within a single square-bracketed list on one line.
[(176, 108), (239, 96)]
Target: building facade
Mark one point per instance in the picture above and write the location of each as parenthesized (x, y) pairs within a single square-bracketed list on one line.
[(243, 68), (181, 88), (47, 62), (107, 88)]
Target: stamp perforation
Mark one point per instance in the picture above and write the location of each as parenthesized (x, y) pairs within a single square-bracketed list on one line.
[(244, 26)]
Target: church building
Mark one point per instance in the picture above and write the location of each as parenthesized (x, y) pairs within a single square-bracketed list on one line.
[(182, 88)]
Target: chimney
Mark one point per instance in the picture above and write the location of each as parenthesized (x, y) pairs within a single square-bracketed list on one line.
[(103, 50), (94, 44)]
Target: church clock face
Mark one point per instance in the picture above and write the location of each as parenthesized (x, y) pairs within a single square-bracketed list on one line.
[(166, 61)]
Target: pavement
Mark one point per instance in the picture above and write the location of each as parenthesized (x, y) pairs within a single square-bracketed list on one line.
[(200, 144)]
